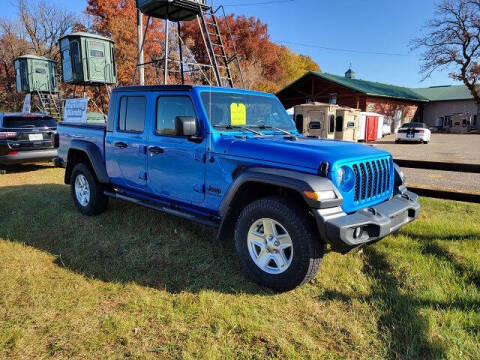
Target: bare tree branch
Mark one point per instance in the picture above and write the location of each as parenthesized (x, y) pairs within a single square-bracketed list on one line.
[(452, 41)]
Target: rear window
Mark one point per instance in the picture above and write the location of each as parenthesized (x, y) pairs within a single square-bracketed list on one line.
[(414, 125), (25, 122)]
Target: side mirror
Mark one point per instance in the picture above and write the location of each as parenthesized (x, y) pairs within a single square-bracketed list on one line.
[(185, 126)]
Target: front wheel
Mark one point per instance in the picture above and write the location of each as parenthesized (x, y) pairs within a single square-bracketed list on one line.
[(277, 244), (87, 191)]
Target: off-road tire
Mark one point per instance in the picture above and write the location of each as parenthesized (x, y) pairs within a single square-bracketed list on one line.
[(98, 201), (307, 246)]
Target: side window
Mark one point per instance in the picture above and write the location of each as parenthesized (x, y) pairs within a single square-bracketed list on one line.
[(96, 53), (112, 60), (131, 116), (339, 126), (24, 73), (77, 59), (299, 123), (168, 108), (331, 123)]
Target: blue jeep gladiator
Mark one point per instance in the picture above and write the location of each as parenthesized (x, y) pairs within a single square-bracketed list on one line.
[(233, 159)]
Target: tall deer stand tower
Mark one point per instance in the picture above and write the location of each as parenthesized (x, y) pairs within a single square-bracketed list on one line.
[(176, 11), (36, 76), (88, 60)]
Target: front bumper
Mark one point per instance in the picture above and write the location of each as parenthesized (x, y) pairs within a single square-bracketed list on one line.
[(28, 156), (376, 222)]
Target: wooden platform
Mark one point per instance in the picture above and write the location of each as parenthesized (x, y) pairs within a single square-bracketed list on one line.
[(173, 10)]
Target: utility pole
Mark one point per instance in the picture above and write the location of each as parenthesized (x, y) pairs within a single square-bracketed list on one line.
[(140, 47)]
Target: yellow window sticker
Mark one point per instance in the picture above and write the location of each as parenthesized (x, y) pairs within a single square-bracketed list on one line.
[(238, 114)]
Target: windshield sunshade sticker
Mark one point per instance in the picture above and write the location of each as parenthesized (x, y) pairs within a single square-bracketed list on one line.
[(238, 114)]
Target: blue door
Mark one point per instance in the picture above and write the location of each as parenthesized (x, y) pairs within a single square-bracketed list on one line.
[(176, 168), (125, 150)]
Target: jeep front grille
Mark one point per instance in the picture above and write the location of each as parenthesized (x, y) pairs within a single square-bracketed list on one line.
[(372, 179)]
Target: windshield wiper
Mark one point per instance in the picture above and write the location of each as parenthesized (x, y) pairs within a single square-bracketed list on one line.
[(233, 127), (264, 127)]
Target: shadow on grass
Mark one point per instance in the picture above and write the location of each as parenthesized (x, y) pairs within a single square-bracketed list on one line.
[(126, 244), (474, 235), (400, 321), (465, 272), (24, 168), (404, 330)]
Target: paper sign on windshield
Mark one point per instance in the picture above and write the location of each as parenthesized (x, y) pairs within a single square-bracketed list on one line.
[(238, 114)]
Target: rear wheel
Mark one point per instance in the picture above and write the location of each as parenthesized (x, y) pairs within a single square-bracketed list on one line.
[(87, 192), (277, 244)]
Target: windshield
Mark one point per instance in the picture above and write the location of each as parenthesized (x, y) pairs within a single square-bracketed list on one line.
[(414, 125), (232, 111), (28, 121)]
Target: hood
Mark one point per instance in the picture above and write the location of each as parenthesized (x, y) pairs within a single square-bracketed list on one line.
[(296, 151)]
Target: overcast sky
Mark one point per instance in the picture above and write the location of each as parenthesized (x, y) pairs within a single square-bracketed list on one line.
[(372, 35)]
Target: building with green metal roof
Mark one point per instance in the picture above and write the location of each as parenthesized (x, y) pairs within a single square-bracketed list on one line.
[(399, 104), (445, 101), (445, 93)]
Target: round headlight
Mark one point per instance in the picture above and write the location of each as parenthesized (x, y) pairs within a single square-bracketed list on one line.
[(345, 178), (340, 175)]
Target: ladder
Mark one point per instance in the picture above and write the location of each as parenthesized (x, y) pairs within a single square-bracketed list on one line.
[(50, 105), (216, 49)]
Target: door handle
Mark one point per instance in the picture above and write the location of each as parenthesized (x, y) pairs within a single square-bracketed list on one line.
[(155, 150), (120, 145)]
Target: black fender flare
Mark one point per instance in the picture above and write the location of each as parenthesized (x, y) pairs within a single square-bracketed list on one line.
[(94, 156), (289, 179)]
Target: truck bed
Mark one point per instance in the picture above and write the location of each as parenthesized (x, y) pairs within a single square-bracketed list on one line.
[(92, 133)]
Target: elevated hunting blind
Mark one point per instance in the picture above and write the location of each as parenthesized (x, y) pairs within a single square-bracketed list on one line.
[(173, 10), (35, 74), (88, 59), (219, 61)]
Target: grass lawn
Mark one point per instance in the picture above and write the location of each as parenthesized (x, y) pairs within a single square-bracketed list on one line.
[(134, 283)]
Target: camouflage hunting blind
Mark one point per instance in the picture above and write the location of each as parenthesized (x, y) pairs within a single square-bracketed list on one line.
[(173, 10), (35, 74), (88, 59)]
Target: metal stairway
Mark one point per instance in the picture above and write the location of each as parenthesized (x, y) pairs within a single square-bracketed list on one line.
[(51, 104), (216, 50)]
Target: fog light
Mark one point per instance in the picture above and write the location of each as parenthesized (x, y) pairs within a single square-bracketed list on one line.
[(357, 232)]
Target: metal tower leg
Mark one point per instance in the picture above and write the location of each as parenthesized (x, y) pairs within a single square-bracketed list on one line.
[(165, 70), (180, 52)]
